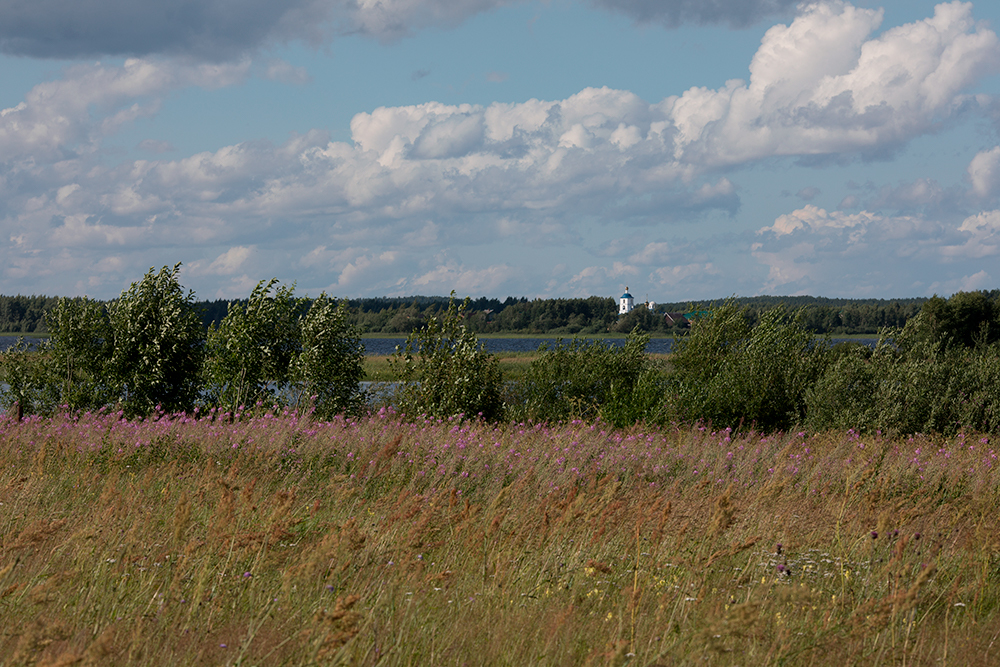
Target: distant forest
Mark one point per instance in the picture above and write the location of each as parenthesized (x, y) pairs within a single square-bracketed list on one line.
[(551, 317), (25, 314)]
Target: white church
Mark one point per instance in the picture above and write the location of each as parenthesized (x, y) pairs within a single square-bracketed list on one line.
[(626, 304)]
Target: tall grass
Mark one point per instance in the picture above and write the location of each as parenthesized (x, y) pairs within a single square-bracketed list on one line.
[(270, 538)]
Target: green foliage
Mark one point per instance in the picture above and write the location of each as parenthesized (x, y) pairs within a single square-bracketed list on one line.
[(24, 314), (276, 347), (731, 372), (821, 315), (910, 384), (67, 370), (444, 371), (82, 344), (551, 316), (158, 345), (249, 356), (330, 365), (557, 317), (844, 396), (642, 319), (966, 320), (588, 379), (638, 402), (28, 372)]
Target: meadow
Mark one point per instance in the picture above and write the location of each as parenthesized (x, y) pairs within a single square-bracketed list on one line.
[(269, 537), (514, 366)]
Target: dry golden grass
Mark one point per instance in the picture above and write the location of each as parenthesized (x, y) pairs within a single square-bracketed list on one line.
[(279, 541), (513, 366)]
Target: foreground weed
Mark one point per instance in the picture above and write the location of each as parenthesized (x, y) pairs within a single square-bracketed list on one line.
[(276, 539)]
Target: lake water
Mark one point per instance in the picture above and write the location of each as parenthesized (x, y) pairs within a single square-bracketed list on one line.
[(386, 346), (9, 341)]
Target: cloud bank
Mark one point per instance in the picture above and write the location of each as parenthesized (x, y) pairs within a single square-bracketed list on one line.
[(225, 29), (875, 253), (673, 13), (392, 208)]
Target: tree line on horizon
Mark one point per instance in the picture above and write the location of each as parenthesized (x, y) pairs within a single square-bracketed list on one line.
[(550, 317)]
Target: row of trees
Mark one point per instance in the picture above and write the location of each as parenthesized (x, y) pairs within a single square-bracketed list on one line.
[(737, 369), (25, 314), (552, 317), (147, 351), (938, 374), (568, 317)]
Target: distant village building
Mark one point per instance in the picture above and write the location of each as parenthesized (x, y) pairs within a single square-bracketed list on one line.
[(676, 320), (626, 304)]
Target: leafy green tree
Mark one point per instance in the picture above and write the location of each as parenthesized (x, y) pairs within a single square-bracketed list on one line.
[(158, 345), (32, 387), (444, 371), (82, 344), (729, 371), (641, 318), (965, 320), (249, 356), (330, 366), (588, 379), (845, 396)]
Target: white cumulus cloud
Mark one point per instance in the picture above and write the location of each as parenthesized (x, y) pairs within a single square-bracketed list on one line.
[(984, 172), (821, 85), (418, 178), (872, 253), (57, 119)]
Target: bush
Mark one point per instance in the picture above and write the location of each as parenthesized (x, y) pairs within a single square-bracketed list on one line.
[(444, 371), (249, 356), (589, 379), (979, 406), (82, 345), (909, 384), (33, 387), (330, 366), (845, 396), (965, 320), (730, 372), (158, 345)]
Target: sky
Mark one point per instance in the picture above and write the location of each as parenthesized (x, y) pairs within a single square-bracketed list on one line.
[(686, 149)]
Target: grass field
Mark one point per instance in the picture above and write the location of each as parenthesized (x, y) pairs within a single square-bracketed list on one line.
[(513, 365), (273, 539)]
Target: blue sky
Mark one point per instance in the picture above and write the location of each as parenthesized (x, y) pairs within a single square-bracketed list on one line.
[(687, 149)]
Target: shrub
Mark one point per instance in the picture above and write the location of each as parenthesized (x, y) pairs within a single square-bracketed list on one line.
[(965, 320), (158, 345), (82, 345), (845, 395), (909, 384), (728, 371), (32, 386), (249, 356), (330, 366), (979, 407), (588, 379), (444, 371)]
